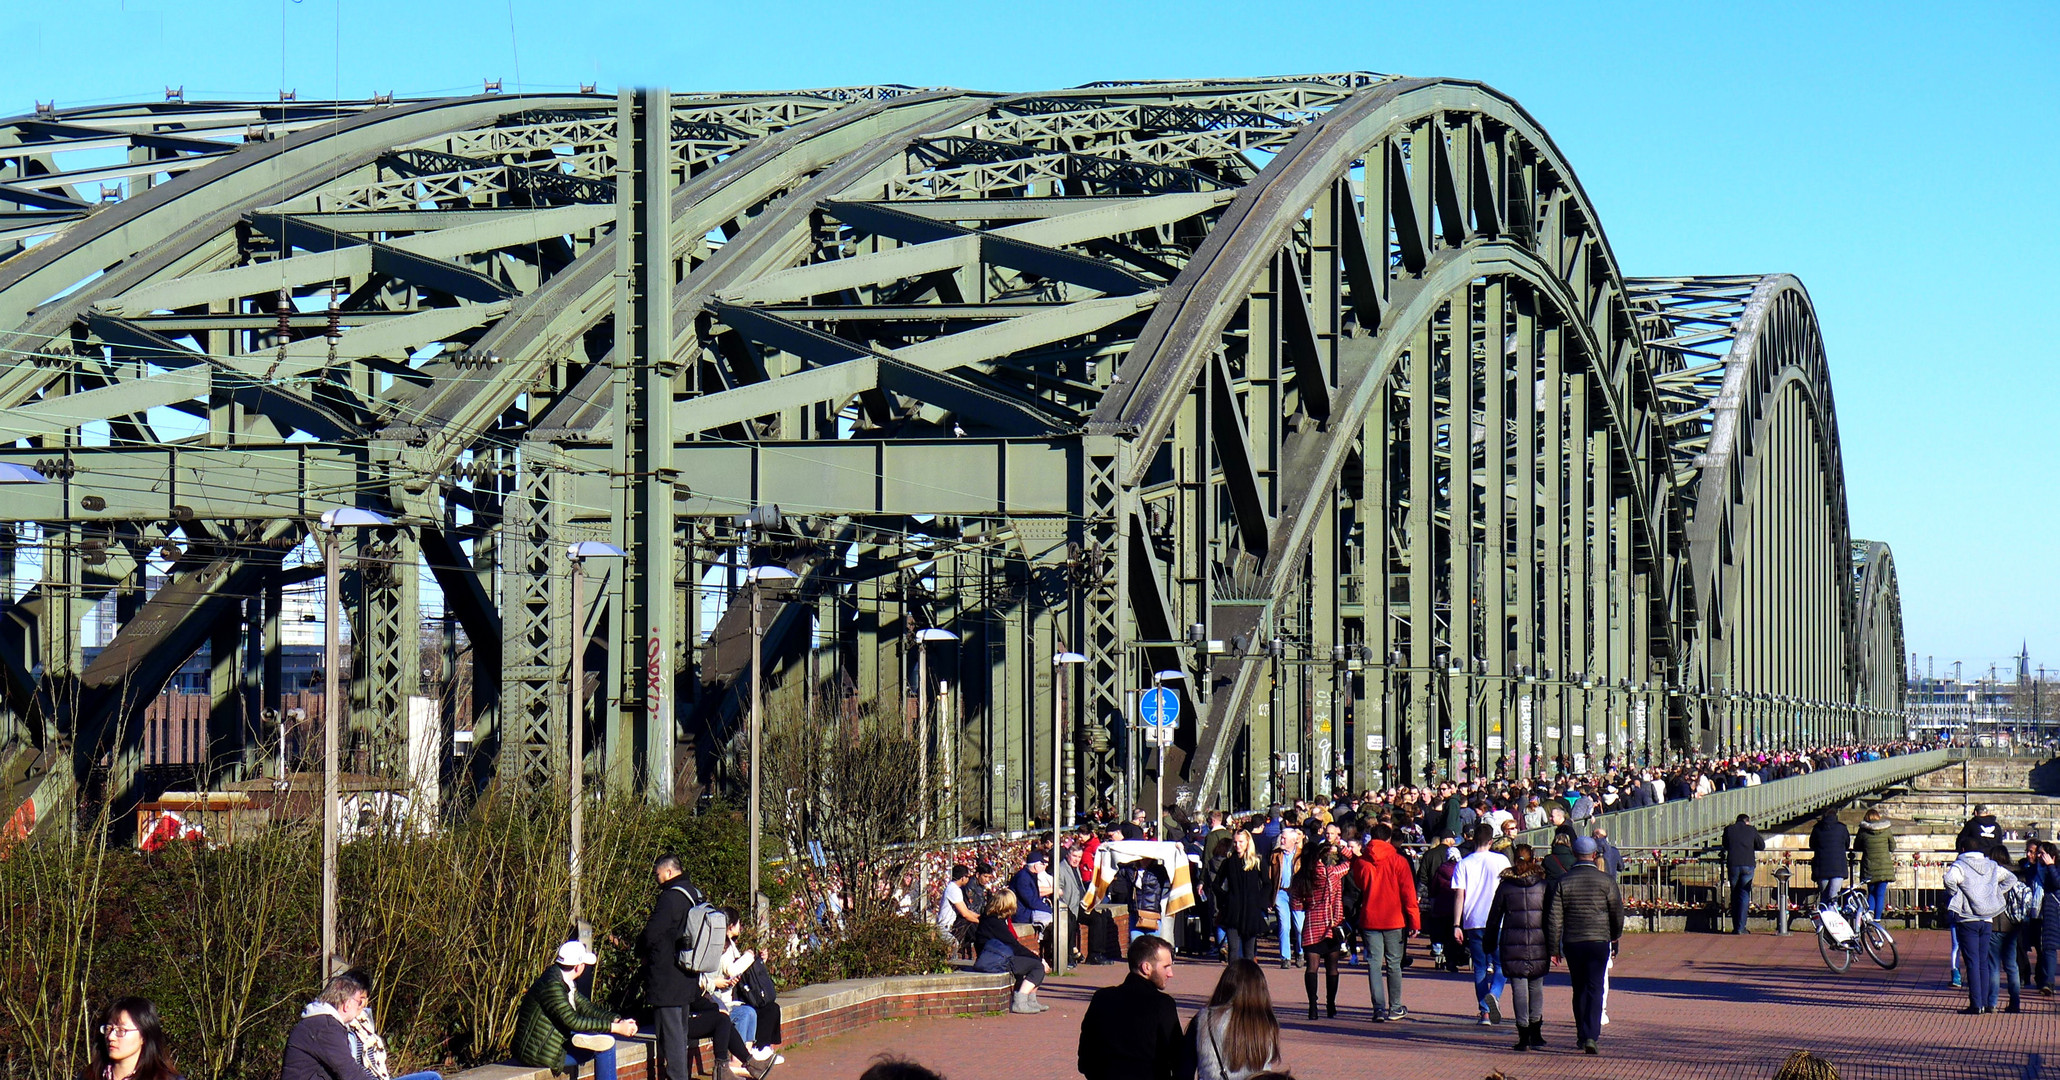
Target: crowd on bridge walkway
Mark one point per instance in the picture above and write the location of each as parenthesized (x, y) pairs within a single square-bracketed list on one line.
[(1353, 880)]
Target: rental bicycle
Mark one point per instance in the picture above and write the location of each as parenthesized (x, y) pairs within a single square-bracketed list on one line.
[(1848, 926)]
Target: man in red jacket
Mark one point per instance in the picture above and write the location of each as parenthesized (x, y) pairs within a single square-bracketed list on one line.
[(1386, 919)]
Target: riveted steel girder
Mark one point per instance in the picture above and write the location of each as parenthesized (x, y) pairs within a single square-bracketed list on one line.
[(1339, 369)]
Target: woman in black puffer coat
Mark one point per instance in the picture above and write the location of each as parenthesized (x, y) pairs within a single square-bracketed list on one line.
[(1516, 928)]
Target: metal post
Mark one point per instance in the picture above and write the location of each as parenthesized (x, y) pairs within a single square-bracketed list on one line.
[(575, 721), (332, 705), (923, 734), (758, 907), (1058, 907)]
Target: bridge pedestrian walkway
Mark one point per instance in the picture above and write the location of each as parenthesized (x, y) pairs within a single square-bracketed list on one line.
[(1683, 822)]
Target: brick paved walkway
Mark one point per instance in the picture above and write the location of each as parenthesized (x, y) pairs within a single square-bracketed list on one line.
[(1681, 1005)]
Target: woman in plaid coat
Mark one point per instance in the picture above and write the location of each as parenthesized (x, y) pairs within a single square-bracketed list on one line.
[(1318, 893)]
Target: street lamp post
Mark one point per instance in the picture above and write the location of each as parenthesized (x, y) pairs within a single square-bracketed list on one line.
[(333, 524), (575, 707), (1059, 722), (757, 576), (923, 639)]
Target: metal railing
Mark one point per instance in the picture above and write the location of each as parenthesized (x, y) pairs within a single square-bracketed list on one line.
[(1688, 821)]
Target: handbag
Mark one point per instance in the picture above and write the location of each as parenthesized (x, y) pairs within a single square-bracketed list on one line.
[(1144, 920), (755, 988)]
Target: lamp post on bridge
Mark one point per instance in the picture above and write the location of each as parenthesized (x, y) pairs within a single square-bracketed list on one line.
[(333, 522)]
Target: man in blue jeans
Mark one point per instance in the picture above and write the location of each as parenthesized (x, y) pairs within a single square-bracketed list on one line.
[(559, 1028), (1742, 845), (1473, 887)]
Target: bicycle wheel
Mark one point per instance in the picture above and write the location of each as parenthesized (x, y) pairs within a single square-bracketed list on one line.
[(1836, 957), (1880, 947)]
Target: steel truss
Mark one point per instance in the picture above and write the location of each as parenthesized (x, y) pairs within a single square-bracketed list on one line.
[(1340, 368)]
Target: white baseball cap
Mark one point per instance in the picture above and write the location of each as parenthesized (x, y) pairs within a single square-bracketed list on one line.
[(572, 953)]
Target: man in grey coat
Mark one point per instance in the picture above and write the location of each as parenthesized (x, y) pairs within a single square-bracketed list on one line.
[(1583, 921)]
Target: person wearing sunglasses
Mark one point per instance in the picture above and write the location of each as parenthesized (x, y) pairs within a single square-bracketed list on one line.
[(131, 1044)]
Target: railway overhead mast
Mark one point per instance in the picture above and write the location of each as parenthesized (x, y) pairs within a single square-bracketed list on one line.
[(1326, 392)]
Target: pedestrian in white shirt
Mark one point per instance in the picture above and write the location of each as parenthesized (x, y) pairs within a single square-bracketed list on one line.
[(1473, 886)]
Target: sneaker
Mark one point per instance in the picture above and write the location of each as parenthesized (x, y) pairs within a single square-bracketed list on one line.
[(1380, 1016), (1590, 1047), (1495, 1012), (593, 1040), (1399, 1012), (761, 1053), (1483, 1021)]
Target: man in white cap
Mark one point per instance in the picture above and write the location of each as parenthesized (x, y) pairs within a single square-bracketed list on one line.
[(557, 1028)]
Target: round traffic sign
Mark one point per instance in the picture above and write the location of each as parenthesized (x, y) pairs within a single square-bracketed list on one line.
[(1159, 707)]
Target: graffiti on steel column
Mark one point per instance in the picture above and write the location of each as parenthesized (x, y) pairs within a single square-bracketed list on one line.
[(654, 677)]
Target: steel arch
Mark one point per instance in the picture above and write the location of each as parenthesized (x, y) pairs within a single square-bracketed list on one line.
[(1340, 367)]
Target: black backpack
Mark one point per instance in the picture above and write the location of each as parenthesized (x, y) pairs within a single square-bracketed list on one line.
[(755, 987)]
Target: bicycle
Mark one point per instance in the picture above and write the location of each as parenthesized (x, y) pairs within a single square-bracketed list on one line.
[(1848, 926)]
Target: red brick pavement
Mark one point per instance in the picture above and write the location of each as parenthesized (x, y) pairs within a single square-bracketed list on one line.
[(1681, 1005)]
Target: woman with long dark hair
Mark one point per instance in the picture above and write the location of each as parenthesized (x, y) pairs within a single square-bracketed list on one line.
[(1319, 893), (131, 1044), (1236, 1036)]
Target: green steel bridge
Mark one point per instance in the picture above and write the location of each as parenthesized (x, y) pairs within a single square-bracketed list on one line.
[(1325, 393)]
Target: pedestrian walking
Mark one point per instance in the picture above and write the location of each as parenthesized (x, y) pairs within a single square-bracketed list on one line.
[(1318, 893), (2009, 928), (1583, 921), (1830, 842), (131, 1044), (1236, 1035), (1131, 1030), (1516, 926), (1286, 855), (1974, 897), (1387, 917), (1242, 894), (1474, 884), (1742, 845)]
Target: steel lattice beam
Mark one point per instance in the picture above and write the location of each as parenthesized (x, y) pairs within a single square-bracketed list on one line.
[(1339, 367)]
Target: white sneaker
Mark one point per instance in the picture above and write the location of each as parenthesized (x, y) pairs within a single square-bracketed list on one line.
[(593, 1040)]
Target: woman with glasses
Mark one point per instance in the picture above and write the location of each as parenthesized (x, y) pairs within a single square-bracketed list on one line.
[(131, 1046)]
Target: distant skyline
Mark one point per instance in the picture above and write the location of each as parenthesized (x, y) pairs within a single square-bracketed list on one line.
[(1897, 158)]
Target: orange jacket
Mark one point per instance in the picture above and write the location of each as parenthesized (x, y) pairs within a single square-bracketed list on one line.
[(1383, 875)]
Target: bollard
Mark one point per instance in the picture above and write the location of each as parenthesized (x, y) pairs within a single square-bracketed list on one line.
[(1781, 901)]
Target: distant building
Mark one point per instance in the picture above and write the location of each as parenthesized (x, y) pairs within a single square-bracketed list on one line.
[(2023, 704)]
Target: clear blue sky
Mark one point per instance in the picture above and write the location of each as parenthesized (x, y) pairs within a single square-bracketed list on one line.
[(1899, 159)]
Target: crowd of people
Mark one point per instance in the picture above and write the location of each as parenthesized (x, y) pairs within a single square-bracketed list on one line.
[(1352, 879)]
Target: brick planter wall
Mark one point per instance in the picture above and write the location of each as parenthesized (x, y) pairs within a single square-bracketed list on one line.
[(817, 1012)]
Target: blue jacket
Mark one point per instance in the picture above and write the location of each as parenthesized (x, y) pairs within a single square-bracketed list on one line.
[(1024, 885)]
